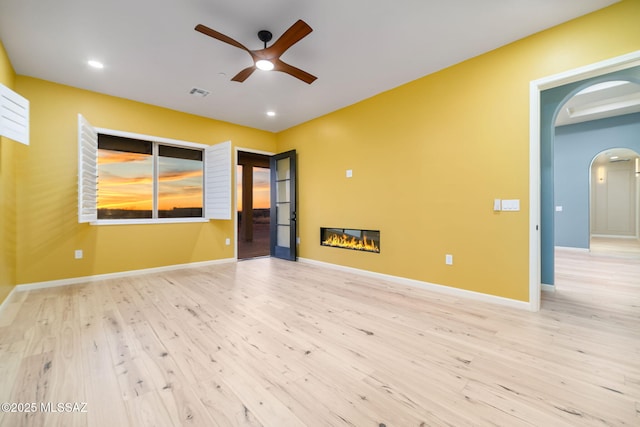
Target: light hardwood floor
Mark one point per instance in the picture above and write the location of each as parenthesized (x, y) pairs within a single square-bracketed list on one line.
[(272, 343), (620, 247)]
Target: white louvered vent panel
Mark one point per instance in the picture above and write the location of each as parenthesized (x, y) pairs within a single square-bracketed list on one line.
[(87, 171), (14, 115), (218, 181)]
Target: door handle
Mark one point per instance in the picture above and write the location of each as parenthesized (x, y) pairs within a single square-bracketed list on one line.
[(293, 216)]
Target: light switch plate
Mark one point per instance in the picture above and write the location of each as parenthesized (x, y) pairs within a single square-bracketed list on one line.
[(349, 173), (511, 205)]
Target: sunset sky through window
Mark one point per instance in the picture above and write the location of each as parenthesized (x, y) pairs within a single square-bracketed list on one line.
[(126, 181)]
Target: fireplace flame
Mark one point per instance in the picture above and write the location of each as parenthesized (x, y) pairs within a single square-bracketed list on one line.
[(350, 242)]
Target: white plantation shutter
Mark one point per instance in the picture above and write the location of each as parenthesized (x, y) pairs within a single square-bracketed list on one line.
[(14, 115), (217, 181), (87, 171)]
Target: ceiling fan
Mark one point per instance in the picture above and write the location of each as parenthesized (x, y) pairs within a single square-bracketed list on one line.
[(269, 57)]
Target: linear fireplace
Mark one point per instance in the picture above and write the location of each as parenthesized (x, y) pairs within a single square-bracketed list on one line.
[(349, 238)]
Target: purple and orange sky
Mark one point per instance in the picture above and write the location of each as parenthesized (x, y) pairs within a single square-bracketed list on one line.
[(126, 181), (261, 188)]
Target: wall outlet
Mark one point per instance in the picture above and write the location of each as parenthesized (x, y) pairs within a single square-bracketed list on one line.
[(78, 254), (448, 259), (227, 241)]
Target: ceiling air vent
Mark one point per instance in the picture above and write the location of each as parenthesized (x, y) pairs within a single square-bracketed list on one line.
[(199, 92)]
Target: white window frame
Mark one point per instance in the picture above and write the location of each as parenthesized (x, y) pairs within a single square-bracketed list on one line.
[(216, 182)]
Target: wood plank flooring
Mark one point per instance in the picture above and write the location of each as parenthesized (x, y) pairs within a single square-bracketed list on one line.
[(272, 343), (620, 247)]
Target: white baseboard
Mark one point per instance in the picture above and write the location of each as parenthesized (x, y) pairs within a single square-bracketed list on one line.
[(98, 277), (522, 305), (613, 236), (547, 288), (7, 300), (572, 249)]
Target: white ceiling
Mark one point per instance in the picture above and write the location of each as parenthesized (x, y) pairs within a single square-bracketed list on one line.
[(358, 48), (615, 98), (614, 155)]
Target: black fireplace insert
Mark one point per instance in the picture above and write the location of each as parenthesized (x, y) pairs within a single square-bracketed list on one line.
[(350, 238)]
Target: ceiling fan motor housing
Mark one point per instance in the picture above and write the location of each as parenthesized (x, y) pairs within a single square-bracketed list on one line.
[(265, 36)]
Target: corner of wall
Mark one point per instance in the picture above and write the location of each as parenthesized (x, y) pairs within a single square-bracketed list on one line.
[(7, 74), (8, 175)]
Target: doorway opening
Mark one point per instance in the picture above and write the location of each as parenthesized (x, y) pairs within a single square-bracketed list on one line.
[(547, 96), (253, 205), (615, 202), (588, 128)]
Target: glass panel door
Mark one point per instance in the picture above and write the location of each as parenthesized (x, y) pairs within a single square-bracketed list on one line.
[(283, 205)]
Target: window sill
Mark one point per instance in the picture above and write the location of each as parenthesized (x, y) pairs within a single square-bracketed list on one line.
[(147, 221)]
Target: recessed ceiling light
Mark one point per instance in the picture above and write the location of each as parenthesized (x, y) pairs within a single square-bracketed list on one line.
[(95, 64), (271, 113)]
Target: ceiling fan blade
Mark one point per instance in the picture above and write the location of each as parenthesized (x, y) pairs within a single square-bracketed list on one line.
[(219, 36), (294, 34), (242, 75), (293, 71)]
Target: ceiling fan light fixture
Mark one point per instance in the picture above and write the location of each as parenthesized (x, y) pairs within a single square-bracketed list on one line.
[(264, 65)]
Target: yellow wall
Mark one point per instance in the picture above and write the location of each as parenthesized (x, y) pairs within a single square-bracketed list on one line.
[(429, 157), (7, 75), (48, 231), (8, 149)]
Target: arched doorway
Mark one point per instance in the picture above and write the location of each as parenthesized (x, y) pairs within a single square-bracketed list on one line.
[(615, 200)]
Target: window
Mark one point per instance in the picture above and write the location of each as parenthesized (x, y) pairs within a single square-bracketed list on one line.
[(136, 178), (14, 115), (145, 179), (126, 178), (180, 183)]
